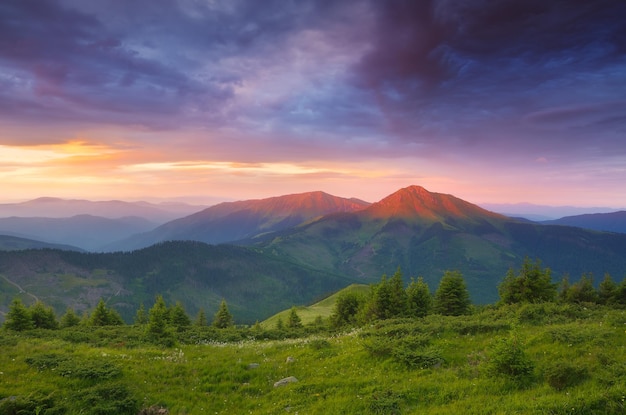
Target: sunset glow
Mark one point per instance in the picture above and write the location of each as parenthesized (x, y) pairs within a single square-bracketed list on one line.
[(509, 101)]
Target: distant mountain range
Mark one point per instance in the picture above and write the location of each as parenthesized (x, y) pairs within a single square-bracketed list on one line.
[(296, 248), (539, 213), (610, 222), (14, 243), (86, 231), (52, 207), (234, 221)]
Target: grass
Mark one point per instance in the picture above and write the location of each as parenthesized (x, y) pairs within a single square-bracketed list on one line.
[(362, 371), (308, 314)]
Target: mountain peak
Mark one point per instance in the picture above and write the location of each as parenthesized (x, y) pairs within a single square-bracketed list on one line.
[(417, 202)]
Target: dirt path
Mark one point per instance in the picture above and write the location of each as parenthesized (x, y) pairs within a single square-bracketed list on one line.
[(19, 288)]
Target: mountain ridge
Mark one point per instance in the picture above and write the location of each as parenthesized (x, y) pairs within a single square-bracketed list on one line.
[(608, 222), (232, 221)]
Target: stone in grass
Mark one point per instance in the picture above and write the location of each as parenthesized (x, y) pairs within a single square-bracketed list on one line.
[(285, 381), (253, 365), (290, 359)]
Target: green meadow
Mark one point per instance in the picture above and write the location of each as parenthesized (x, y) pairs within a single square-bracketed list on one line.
[(542, 358)]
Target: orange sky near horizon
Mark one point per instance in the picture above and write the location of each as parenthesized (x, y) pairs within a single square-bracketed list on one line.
[(81, 169)]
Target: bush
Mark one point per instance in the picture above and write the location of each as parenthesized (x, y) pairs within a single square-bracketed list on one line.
[(27, 405), (385, 403), (417, 358), (508, 359), (109, 399), (562, 374)]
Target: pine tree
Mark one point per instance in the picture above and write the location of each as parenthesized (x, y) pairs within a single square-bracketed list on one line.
[(279, 324), (346, 309), (583, 291), (201, 320), (607, 290), (223, 318), (564, 288), (387, 299), (141, 317), (179, 318), (452, 297), (419, 298), (294, 321), (530, 285), (70, 318), (18, 317), (158, 319), (103, 316), (398, 304), (43, 317)]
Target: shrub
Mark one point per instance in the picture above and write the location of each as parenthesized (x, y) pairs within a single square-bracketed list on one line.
[(417, 358), (106, 399), (508, 359), (385, 403), (26, 405), (563, 374)]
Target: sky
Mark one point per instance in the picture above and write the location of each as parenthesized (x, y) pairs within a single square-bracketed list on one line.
[(493, 101)]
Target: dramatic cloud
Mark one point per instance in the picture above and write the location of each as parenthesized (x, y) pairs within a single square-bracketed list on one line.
[(446, 91)]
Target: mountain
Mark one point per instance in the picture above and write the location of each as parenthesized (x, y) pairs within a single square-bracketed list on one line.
[(85, 231), (610, 222), (297, 254), (14, 243), (254, 285), (428, 233), (233, 221), (51, 207), (541, 212)]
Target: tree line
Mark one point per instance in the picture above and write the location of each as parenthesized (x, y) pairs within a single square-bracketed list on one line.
[(160, 320), (389, 298), (530, 284)]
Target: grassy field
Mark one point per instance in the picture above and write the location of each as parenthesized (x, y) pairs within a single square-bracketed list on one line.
[(529, 359), (308, 314)]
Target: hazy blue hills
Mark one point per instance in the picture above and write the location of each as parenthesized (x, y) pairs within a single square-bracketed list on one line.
[(85, 231), (610, 222), (233, 221), (52, 207), (15, 243)]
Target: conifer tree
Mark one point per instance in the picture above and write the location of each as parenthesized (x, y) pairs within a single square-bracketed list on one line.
[(279, 324), (388, 299), (583, 291), (18, 317), (294, 321), (564, 288), (346, 309), (100, 315), (178, 317), (70, 318), (452, 297), (141, 317), (158, 319), (223, 318), (43, 317), (398, 305), (201, 320), (419, 298), (103, 316), (607, 290), (530, 285)]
